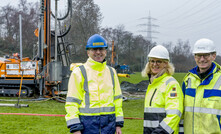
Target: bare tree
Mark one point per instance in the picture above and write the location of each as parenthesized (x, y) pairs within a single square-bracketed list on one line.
[(29, 12), (180, 54), (85, 22), (10, 27), (130, 49)]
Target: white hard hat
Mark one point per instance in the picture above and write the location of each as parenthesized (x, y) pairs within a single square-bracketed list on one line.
[(160, 52), (204, 46)]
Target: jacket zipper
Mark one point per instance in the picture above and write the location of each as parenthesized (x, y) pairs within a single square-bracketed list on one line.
[(152, 96), (193, 114), (194, 107)]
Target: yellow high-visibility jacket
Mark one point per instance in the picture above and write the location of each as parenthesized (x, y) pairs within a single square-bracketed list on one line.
[(163, 106), (202, 102), (93, 90)]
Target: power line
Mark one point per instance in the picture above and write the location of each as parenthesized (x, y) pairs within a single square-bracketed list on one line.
[(176, 9), (193, 25), (148, 27), (195, 9)]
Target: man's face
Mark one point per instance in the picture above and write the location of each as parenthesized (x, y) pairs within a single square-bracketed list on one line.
[(97, 54), (204, 60)]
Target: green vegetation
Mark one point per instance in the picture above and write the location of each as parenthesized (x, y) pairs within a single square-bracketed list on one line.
[(24, 124), (179, 77), (133, 108), (136, 78)]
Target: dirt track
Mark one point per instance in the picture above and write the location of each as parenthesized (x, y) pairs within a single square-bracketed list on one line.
[(134, 90)]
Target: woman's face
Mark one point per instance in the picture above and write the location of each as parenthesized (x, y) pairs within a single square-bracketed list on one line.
[(157, 65)]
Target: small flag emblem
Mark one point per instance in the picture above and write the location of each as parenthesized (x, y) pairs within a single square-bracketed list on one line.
[(173, 94)]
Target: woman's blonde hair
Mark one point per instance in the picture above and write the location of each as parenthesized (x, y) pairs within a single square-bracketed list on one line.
[(169, 69)]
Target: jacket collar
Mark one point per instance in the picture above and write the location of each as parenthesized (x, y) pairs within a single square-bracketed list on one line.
[(215, 67), (158, 79), (96, 65), (152, 77)]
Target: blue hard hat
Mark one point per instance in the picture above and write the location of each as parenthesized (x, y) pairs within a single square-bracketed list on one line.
[(96, 41)]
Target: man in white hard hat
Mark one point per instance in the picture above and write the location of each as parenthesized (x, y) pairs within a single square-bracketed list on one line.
[(202, 88)]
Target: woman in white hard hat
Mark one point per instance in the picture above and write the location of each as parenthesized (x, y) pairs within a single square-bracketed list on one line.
[(164, 98)]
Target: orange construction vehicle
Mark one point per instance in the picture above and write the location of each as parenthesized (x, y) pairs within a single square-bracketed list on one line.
[(114, 63), (11, 71), (48, 73)]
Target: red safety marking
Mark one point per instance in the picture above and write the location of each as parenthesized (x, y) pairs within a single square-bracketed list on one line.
[(132, 118), (33, 114), (59, 115)]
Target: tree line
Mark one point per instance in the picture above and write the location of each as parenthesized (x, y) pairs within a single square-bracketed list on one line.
[(9, 27), (86, 20)]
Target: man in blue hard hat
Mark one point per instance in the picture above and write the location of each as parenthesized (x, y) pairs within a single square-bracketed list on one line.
[(94, 99)]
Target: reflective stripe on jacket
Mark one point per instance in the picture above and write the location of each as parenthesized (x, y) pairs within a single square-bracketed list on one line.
[(91, 92), (163, 106), (202, 102)]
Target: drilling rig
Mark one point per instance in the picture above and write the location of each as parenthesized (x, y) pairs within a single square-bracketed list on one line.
[(53, 52), (48, 73)]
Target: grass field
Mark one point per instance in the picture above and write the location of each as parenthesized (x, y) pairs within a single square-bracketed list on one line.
[(24, 124), (136, 78)]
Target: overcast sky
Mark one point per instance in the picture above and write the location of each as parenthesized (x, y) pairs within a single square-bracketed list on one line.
[(175, 19)]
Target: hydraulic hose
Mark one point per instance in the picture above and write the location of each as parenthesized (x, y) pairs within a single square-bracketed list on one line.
[(69, 11), (62, 18), (63, 34), (57, 98)]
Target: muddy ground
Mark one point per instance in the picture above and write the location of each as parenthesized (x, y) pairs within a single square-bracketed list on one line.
[(134, 90)]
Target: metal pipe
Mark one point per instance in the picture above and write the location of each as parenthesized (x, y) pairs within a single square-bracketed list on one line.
[(41, 42), (14, 105), (41, 30), (123, 75), (20, 29), (56, 37)]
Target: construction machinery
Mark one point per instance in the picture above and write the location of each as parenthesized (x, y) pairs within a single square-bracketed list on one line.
[(122, 70), (12, 70), (53, 52), (47, 74)]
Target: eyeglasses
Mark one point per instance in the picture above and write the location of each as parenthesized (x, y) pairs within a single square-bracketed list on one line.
[(99, 48), (205, 56), (156, 61)]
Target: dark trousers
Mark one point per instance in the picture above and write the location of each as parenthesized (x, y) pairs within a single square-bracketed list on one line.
[(103, 124)]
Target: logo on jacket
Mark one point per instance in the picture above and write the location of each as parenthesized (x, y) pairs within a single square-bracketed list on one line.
[(173, 93)]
